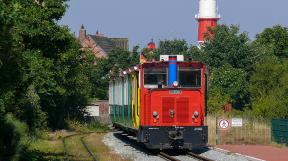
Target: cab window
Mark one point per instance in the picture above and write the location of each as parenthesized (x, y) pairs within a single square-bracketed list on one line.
[(189, 78), (154, 76)]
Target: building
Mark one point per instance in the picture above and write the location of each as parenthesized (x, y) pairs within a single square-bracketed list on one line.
[(99, 44), (98, 111)]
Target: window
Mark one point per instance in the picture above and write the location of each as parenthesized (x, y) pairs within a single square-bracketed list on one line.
[(153, 76), (189, 78)]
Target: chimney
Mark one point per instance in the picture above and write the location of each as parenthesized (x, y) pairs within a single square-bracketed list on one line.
[(207, 18), (82, 33), (98, 34)]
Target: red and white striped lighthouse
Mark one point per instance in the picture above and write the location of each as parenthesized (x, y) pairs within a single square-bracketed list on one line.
[(207, 17)]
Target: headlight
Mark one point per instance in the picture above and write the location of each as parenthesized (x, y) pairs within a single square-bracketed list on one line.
[(155, 114), (196, 114), (175, 84)]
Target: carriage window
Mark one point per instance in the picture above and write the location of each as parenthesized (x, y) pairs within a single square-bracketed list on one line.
[(189, 78), (152, 77)]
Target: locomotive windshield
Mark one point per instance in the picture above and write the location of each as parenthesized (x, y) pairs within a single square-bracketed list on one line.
[(152, 77), (189, 77)]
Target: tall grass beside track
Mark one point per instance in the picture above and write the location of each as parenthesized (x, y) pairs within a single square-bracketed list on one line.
[(48, 146), (253, 132)]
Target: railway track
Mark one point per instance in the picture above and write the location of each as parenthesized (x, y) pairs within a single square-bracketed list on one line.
[(84, 144), (164, 155), (199, 157), (167, 157), (189, 154)]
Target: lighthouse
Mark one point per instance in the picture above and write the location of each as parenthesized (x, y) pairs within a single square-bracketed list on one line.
[(207, 17)]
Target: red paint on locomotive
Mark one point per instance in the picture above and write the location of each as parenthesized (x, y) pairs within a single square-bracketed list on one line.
[(163, 102)]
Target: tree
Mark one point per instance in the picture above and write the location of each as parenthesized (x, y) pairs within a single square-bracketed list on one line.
[(228, 46), (118, 59), (226, 85), (275, 39), (230, 58), (268, 88), (169, 47), (44, 78), (268, 85)]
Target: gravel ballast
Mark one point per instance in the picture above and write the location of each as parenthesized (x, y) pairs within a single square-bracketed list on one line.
[(121, 144)]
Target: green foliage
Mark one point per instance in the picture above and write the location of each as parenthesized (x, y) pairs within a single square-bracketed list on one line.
[(87, 127), (169, 47), (247, 74), (44, 77), (269, 88), (227, 85), (12, 138), (275, 39), (268, 85), (118, 59), (228, 46), (230, 58)]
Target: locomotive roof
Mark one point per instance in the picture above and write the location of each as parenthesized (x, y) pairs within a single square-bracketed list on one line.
[(194, 64), (182, 63)]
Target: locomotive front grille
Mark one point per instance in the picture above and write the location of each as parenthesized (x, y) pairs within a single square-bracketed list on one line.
[(182, 111), (178, 106), (167, 106)]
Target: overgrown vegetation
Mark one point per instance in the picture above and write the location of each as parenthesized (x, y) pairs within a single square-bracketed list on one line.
[(45, 78)]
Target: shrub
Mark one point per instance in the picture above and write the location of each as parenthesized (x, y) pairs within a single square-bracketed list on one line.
[(12, 138)]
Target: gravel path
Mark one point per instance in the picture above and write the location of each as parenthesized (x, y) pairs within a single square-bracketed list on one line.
[(129, 149), (125, 149)]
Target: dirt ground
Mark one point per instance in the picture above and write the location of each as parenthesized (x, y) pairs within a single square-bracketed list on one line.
[(269, 153)]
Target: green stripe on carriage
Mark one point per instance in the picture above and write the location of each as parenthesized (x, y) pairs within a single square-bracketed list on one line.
[(113, 104), (129, 102), (123, 108)]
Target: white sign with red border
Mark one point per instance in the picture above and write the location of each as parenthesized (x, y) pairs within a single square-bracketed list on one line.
[(224, 124)]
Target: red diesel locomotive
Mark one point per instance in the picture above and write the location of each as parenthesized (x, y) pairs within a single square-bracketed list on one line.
[(162, 103)]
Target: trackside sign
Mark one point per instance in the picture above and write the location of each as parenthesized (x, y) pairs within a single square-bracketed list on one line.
[(237, 122), (227, 123), (223, 124)]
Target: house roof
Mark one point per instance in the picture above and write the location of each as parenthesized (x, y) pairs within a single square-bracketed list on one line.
[(105, 43)]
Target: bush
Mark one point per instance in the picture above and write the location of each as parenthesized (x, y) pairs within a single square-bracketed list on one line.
[(12, 138), (87, 127), (269, 90)]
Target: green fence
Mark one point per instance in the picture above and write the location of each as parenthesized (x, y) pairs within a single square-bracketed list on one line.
[(279, 131)]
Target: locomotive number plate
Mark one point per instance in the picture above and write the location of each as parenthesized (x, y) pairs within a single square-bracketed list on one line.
[(175, 92)]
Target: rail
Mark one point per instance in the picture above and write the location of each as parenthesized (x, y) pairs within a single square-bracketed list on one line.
[(66, 155), (199, 157), (88, 149), (167, 157)]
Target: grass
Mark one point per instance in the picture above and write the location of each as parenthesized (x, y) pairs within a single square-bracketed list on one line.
[(49, 146), (87, 127), (102, 152), (253, 132), (76, 151), (211, 122)]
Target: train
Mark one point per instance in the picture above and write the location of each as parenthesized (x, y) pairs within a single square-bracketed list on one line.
[(162, 102)]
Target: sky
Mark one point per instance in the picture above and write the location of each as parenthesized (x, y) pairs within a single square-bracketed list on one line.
[(143, 20)]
